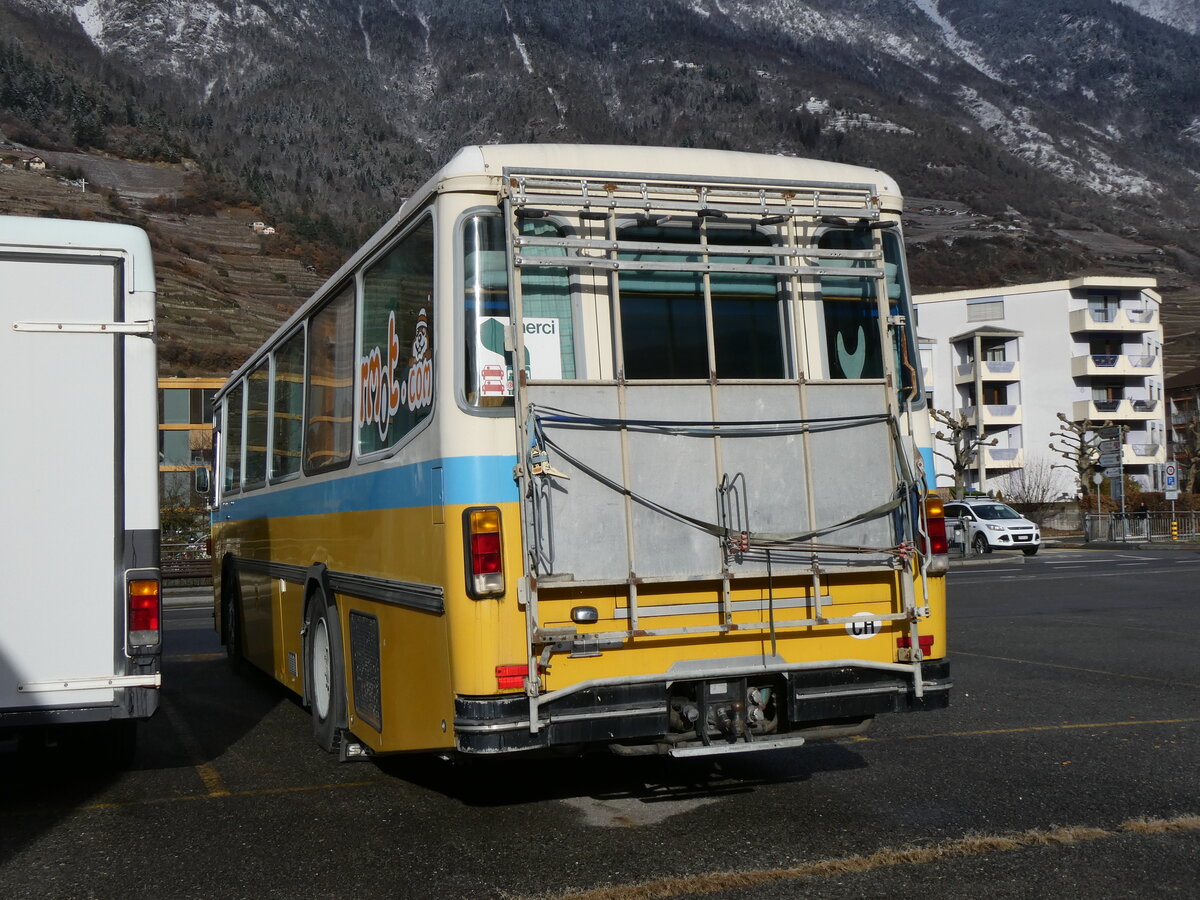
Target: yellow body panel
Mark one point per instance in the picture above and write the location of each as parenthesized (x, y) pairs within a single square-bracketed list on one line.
[(427, 659)]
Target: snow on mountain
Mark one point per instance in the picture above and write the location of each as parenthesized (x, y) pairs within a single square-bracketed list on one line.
[(1181, 14)]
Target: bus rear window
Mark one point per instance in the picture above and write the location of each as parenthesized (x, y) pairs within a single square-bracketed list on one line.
[(663, 331)]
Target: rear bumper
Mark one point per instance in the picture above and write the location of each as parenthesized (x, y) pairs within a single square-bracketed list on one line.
[(128, 703), (639, 713)]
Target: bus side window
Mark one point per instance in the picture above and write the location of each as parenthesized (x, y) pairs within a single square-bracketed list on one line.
[(233, 439), (395, 375), (288, 407), (546, 306), (258, 387), (329, 411), (908, 358), (851, 314)]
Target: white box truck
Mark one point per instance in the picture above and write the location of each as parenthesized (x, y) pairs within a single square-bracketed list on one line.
[(80, 609)]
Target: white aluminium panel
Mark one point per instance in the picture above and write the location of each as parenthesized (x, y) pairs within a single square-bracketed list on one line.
[(58, 506)]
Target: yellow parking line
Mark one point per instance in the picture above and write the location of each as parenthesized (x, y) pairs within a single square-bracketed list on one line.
[(959, 848), (1037, 662), (207, 772)]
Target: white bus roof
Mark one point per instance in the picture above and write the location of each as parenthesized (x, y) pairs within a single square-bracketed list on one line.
[(30, 233), (492, 159)]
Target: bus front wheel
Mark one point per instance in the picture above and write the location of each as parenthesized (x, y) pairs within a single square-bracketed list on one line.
[(326, 679)]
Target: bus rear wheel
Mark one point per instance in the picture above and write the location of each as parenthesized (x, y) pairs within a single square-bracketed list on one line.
[(324, 667)]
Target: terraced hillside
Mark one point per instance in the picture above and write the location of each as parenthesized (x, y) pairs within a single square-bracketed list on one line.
[(222, 288)]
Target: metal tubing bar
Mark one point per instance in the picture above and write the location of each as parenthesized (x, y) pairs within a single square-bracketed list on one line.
[(532, 178), (808, 251), (524, 487), (590, 262), (726, 629)]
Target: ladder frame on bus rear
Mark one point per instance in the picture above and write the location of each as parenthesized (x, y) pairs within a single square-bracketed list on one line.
[(607, 196)]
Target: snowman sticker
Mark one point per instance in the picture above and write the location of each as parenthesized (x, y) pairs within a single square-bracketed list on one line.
[(417, 391)]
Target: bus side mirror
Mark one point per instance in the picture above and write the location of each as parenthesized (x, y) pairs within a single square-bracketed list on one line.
[(203, 480)]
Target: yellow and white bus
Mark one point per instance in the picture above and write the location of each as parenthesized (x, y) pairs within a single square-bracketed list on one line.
[(593, 445)]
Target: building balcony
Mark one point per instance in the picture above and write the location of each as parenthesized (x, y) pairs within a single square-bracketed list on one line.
[(1131, 321), (1003, 457), (1143, 454), (1117, 410), (1110, 365), (989, 370), (994, 416)]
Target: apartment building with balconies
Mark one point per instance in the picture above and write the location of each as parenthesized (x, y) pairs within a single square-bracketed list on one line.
[(1011, 359)]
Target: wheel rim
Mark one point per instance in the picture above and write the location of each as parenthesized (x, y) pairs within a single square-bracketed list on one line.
[(321, 670)]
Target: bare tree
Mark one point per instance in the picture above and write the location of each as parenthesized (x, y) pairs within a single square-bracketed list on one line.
[(1031, 489), (1081, 452), (963, 442), (1187, 453)]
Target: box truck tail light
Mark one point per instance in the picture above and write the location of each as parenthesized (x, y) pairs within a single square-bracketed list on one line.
[(484, 552), (935, 523), (145, 613)]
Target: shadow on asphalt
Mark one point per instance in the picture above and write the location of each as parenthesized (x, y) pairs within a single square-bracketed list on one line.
[(532, 779), (205, 708)]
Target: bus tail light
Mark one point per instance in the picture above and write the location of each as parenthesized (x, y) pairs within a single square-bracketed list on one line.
[(904, 645), (935, 528), (484, 552), (511, 678), (145, 613)]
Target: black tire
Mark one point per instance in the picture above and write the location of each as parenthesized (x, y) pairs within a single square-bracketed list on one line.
[(231, 622), (324, 672), (980, 544), (1029, 551)]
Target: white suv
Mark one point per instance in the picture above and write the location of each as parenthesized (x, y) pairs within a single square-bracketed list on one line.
[(990, 525)]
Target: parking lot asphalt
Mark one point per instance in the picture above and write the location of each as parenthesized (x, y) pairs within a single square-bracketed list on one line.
[(1064, 767)]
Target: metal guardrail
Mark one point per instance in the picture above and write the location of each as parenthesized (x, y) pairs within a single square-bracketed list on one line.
[(1150, 526), (184, 562)]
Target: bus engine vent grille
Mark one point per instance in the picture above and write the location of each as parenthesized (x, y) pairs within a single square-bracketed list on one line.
[(364, 663)]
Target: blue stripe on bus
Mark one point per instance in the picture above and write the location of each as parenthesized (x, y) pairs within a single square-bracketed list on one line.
[(930, 470), (466, 481)]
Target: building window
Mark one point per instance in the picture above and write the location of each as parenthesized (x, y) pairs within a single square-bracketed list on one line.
[(1104, 307), (985, 309)]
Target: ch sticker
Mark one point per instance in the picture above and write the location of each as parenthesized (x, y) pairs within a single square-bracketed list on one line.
[(864, 625)]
